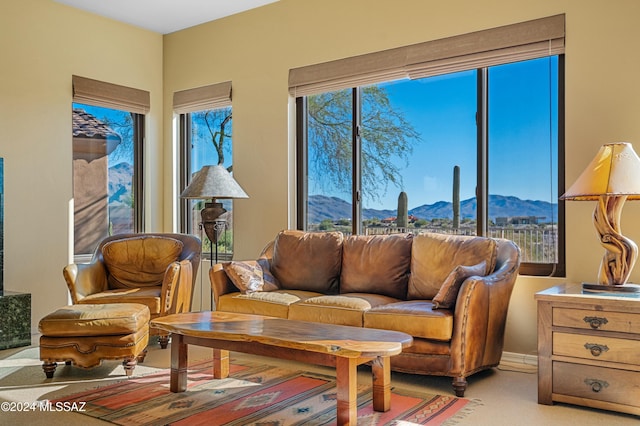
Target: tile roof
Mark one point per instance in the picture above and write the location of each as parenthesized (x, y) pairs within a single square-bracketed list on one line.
[(86, 125)]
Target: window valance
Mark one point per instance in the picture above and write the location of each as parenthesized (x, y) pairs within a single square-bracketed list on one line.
[(200, 98), (510, 43), (94, 92)]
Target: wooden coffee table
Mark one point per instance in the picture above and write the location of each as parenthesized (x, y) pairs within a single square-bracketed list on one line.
[(336, 346)]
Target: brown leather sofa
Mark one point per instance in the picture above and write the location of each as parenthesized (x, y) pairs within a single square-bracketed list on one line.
[(451, 293), (153, 269)]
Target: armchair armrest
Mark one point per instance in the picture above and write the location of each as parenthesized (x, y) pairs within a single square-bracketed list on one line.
[(85, 279), (177, 288)]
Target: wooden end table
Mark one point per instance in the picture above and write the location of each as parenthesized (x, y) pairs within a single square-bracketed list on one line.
[(589, 348)]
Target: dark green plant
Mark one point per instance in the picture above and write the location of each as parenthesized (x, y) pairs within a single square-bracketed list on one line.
[(402, 220), (326, 225), (456, 197)]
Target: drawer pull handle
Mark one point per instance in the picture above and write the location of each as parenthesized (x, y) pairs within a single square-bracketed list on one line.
[(596, 349), (596, 385), (595, 322)]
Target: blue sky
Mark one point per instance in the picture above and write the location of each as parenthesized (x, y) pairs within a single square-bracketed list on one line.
[(120, 154), (442, 109)]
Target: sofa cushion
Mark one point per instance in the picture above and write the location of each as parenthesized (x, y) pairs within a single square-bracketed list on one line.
[(245, 275), (344, 309), (448, 293), (434, 256), (149, 296), (270, 303), (376, 264), (308, 260), (139, 261), (265, 259), (415, 317)]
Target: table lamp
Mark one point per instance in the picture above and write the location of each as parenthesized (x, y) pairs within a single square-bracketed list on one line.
[(611, 178)]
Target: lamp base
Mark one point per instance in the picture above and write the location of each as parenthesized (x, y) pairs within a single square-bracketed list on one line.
[(605, 288)]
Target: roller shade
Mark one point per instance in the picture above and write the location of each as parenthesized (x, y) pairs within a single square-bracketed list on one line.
[(94, 92), (201, 98), (349, 72), (510, 43)]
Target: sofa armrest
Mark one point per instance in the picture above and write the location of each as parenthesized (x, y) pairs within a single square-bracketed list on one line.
[(84, 279), (480, 313), (220, 282)]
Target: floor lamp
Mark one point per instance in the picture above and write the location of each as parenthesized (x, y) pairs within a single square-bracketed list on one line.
[(213, 183)]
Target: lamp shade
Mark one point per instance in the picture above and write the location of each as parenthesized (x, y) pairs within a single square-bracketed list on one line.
[(615, 171), (213, 182)]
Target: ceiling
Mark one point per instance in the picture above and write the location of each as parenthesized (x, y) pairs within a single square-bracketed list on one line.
[(165, 16)]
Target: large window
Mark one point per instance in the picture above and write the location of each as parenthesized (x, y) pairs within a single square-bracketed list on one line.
[(108, 123), (476, 151)]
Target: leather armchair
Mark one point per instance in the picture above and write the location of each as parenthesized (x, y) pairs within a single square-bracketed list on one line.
[(154, 269)]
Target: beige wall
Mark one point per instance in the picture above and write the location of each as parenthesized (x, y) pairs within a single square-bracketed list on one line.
[(256, 50), (43, 43)]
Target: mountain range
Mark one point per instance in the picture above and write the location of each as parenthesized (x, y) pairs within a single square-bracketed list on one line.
[(322, 207)]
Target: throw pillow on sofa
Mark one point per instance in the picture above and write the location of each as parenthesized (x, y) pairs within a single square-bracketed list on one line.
[(448, 293), (434, 256), (308, 260), (245, 275), (376, 264)]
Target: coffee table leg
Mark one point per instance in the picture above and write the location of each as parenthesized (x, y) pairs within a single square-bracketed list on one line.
[(179, 361), (347, 384), (381, 370), (220, 364)]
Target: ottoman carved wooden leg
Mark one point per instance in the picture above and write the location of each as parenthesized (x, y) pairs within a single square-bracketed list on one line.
[(84, 335), (49, 368)]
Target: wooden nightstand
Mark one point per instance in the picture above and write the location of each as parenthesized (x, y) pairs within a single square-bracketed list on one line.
[(589, 349)]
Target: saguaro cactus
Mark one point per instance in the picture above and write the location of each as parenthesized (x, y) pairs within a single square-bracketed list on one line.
[(456, 197), (403, 213)]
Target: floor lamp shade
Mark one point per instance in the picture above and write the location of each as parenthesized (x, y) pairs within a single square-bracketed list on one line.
[(611, 178), (213, 182)]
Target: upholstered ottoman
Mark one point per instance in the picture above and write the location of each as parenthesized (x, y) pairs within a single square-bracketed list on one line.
[(84, 335)]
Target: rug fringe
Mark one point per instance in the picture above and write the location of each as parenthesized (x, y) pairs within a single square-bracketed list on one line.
[(464, 412)]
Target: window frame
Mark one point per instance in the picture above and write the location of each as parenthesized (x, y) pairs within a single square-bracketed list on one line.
[(184, 178), (482, 188), (185, 102), (136, 102)]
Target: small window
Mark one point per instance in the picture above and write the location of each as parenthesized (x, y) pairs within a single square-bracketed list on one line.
[(207, 140), (106, 174)]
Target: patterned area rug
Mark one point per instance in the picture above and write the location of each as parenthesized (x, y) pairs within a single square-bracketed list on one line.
[(259, 395)]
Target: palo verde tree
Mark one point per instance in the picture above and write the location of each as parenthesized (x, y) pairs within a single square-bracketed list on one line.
[(214, 125), (387, 141)]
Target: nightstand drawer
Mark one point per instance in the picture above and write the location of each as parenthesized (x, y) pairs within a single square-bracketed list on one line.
[(598, 383), (597, 347), (596, 320)]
